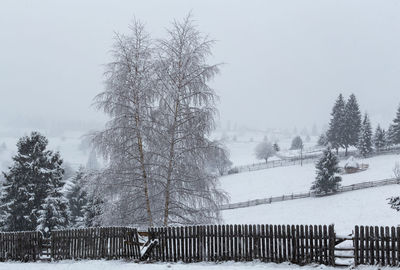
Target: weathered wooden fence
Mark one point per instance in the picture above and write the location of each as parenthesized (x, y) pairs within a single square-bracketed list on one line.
[(95, 243), (295, 196), (377, 245), (267, 243), (22, 246)]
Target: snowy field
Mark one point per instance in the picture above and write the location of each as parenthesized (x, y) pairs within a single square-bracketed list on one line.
[(294, 179), (361, 207), (120, 265)]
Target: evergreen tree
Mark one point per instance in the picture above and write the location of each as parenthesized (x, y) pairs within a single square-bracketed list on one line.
[(365, 139), (92, 211), (276, 147), (395, 132), (379, 138), (336, 126), (54, 213), (327, 179), (77, 199), (352, 123), (389, 136), (323, 140), (28, 181)]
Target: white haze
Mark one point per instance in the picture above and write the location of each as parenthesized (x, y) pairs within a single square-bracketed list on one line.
[(286, 61)]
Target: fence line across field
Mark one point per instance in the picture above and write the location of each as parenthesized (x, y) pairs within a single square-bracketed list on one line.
[(295, 196), (305, 159)]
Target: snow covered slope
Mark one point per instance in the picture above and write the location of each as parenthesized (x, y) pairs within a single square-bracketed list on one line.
[(293, 179), (362, 207)]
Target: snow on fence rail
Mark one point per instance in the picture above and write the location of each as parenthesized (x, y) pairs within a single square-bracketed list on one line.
[(305, 159), (268, 243), (303, 195)]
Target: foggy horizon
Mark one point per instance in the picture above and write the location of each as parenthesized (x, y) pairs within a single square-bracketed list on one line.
[(285, 62)]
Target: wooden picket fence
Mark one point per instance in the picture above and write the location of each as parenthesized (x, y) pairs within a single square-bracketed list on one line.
[(268, 243), (95, 243), (21, 246), (377, 245)]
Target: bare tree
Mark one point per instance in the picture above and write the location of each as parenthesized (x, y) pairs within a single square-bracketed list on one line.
[(218, 159), (264, 150), (128, 100), (185, 118)]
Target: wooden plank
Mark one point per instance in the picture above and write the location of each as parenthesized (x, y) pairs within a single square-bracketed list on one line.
[(382, 235), (325, 245), (279, 243), (250, 255), (371, 245), (258, 242), (362, 245), (240, 243), (302, 244), (366, 248), (263, 247), (398, 243), (231, 243), (393, 246), (377, 242), (312, 259), (332, 243), (190, 236), (284, 251), (294, 247), (289, 243), (275, 243), (245, 245), (321, 245), (163, 242), (306, 244), (174, 244), (212, 243), (387, 238), (298, 245), (219, 233)]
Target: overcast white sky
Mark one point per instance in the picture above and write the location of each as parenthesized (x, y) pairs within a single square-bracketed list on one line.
[(286, 61)]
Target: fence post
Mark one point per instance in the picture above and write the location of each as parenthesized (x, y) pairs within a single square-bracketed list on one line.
[(356, 245), (332, 239)]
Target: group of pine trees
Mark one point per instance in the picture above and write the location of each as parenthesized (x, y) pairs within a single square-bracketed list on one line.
[(36, 195), (348, 128)]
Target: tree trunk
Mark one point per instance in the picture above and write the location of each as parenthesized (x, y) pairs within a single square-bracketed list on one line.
[(170, 163)]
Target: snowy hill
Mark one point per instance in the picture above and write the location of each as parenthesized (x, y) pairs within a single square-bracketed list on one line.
[(366, 207), (294, 179)]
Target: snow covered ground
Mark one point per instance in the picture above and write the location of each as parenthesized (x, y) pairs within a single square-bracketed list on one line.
[(345, 210), (120, 265), (294, 179)]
